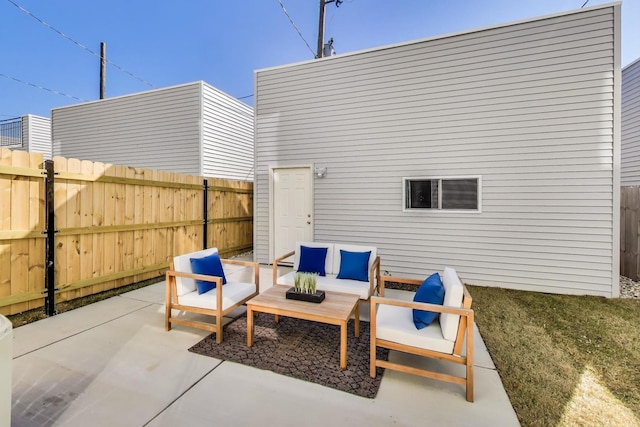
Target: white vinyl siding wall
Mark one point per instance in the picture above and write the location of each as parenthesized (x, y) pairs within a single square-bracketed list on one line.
[(158, 129), (36, 132), (528, 106), (227, 135), (630, 170)]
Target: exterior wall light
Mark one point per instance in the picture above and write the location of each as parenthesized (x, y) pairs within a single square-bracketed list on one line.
[(320, 172)]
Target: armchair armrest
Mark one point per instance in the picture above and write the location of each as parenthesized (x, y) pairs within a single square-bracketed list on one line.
[(374, 277), (466, 312), (254, 265), (204, 277), (277, 261), (385, 279)]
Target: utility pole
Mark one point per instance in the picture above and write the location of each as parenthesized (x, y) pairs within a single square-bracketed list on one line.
[(103, 69), (323, 3)]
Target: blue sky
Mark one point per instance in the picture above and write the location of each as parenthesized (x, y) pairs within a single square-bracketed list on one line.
[(221, 41)]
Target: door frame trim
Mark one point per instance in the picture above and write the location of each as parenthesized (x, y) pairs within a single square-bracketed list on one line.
[(272, 240)]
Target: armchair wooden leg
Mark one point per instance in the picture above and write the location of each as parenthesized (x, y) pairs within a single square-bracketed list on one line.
[(372, 338), (218, 329), (372, 363), (167, 323), (469, 384)]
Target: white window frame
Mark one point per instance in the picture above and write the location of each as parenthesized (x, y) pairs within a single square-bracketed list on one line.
[(439, 209)]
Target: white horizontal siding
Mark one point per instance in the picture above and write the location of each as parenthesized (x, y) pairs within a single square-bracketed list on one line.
[(630, 169), (37, 131), (158, 129), (529, 106), (227, 136)]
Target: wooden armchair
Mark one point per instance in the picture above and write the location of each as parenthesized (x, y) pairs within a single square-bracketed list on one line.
[(181, 292), (392, 327)]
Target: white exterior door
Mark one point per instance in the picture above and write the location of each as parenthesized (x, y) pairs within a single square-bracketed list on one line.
[(292, 208)]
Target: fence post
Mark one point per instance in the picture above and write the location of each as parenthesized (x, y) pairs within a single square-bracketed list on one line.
[(205, 214), (49, 278)]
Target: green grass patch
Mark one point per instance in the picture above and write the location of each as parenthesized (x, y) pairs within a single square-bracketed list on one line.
[(38, 313), (564, 360)]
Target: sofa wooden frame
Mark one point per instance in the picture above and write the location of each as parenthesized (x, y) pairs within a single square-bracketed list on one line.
[(465, 331), (218, 312)]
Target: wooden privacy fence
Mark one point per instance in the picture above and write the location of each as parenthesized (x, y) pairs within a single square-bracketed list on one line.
[(114, 225), (629, 237)]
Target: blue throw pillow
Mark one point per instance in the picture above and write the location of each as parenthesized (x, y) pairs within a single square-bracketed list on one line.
[(312, 260), (210, 266), (354, 265), (432, 292)]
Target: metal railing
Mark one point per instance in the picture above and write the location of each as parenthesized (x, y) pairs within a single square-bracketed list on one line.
[(11, 132)]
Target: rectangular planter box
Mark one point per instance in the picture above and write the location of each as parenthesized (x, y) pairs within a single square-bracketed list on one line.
[(300, 296)]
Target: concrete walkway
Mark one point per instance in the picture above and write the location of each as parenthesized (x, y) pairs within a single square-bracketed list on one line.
[(112, 363)]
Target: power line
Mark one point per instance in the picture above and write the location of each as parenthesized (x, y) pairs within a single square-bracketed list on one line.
[(247, 96), (584, 4), (294, 26), (43, 88), (46, 24)]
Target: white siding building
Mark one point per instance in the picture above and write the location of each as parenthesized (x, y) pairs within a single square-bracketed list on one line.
[(192, 128), (630, 170), (520, 123), (27, 133)]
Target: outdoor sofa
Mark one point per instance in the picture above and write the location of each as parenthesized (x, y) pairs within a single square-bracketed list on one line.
[(346, 268)]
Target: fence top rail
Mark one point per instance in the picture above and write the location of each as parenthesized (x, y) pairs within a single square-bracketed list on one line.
[(71, 176)]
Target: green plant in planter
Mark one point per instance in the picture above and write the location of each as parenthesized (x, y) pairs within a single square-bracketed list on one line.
[(305, 282)]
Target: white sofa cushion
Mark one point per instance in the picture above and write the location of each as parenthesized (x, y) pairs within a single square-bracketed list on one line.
[(332, 284), (232, 293), (453, 294), (182, 264), (395, 324), (352, 248), (328, 262)]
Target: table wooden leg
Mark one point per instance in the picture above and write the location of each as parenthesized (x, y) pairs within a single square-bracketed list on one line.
[(357, 319), (276, 318), (343, 345), (249, 327)]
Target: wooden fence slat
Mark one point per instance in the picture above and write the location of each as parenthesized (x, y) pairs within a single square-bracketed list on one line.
[(86, 222), (98, 221), (129, 217), (110, 203), (37, 223), (5, 225), (138, 218), (73, 202), (20, 220)]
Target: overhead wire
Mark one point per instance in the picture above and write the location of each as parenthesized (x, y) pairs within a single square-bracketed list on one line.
[(94, 53), (57, 92), (294, 26)]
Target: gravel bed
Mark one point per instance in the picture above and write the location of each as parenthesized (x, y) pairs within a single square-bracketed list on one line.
[(629, 288)]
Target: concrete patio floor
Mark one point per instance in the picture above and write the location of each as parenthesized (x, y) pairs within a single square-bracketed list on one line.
[(112, 363)]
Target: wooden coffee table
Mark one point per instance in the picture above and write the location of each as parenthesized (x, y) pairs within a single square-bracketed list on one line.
[(336, 309)]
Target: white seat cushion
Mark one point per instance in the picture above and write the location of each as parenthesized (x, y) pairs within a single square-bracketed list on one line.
[(332, 284), (453, 294), (182, 264), (396, 324), (232, 293)]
